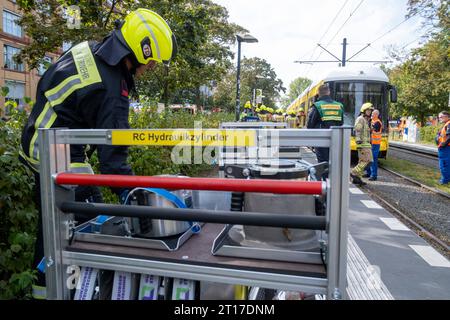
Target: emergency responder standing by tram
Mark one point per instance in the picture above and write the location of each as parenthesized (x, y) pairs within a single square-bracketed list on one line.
[(376, 128), (324, 114), (443, 142), (88, 87), (362, 139)]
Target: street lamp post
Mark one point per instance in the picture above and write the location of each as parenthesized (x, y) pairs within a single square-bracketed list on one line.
[(240, 38), (257, 77)]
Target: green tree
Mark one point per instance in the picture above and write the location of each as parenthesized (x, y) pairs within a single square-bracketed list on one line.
[(423, 80), (46, 23), (435, 12), (204, 38), (203, 33), (296, 87), (256, 73)]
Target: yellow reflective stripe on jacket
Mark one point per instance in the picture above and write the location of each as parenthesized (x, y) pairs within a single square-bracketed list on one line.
[(45, 120), (39, 292), (31, 162), (54, 93), (330, 107), (87, 74), (81, 167)]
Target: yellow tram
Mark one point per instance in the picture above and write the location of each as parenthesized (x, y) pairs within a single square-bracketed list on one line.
[(353, 87)]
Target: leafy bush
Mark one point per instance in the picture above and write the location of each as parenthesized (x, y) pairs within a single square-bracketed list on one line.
[(153, 160), (18, 215), (428, 134)]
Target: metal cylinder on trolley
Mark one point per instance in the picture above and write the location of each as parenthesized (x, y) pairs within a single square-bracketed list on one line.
[(292, 204)]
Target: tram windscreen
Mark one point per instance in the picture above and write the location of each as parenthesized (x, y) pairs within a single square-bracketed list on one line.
[(355, 94)]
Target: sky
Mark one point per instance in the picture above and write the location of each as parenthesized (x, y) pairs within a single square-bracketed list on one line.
[(289, 30)]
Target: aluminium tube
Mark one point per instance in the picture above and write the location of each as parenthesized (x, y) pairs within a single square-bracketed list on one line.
[(212, 216)]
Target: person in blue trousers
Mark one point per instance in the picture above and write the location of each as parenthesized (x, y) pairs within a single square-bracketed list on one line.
[(375, 139), (443, 142)]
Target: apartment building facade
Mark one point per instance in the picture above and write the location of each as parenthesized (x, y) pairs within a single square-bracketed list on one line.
[(20, 80)]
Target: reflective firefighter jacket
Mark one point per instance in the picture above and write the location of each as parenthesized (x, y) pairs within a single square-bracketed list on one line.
[(87, 88), (362, 132)]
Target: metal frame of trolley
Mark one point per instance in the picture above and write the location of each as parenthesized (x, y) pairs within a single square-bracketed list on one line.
[(58, 207)]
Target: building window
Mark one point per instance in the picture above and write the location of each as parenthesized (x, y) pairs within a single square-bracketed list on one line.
[(8, 58), (10, 24), (16, 93), (44, 65)]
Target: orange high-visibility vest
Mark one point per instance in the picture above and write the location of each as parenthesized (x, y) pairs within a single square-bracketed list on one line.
[(376, 135), (443, 134)]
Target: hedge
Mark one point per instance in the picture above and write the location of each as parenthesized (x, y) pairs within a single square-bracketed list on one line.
[(18, 215)]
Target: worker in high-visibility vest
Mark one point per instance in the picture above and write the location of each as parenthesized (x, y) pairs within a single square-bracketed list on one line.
[(362, 139), (88, 87), (443, 142), (376, 128), (325, 113)]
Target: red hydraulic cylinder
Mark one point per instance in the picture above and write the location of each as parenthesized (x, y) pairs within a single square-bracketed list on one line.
[(176, 183)]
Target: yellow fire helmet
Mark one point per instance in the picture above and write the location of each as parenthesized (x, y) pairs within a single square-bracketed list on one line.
[(248, 105), (149, 36), (366, 106)]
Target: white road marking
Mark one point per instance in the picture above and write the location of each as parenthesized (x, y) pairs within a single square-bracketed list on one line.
[(431, 256), (355, 191), (394, 224), (371, 204)]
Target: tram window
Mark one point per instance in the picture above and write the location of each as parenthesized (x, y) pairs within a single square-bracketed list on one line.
[(353, 94)]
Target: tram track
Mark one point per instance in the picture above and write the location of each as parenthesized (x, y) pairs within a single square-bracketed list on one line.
[(407, 211), (418, 155)]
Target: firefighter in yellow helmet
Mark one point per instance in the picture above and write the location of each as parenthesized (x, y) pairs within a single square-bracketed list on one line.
[(278, 117), (263, 115), (291, 119), (248, 112), (301, 117), (88, 87), (362, 139)]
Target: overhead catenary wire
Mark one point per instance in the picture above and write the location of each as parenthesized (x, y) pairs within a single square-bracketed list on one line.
[(392, 29), (416, 39), (385, 34), (325, 33), (342, 26), (345, 22)]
